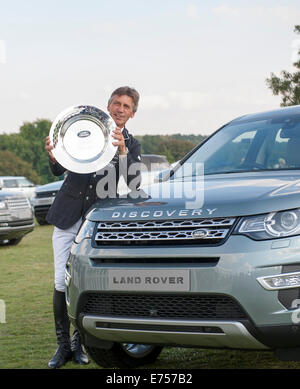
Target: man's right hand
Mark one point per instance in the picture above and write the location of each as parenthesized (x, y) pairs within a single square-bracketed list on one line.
[(48, 148)]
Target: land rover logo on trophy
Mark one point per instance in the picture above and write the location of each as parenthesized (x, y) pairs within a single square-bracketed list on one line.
[(82, 139), (84, 134), (199, 234)]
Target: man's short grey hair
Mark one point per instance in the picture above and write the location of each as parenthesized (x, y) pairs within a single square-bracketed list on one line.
[(126, 90)]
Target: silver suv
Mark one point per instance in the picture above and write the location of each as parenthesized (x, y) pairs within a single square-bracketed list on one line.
[(16, 217), (210, 257)]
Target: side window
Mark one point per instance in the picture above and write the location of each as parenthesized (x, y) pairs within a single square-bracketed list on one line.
[(24, 183)]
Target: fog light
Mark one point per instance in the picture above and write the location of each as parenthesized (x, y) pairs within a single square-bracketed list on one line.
[(280, 281)]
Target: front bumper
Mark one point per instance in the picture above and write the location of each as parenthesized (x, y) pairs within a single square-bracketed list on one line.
[(231, 269), (41, 206), (15, 230), (216, 334)]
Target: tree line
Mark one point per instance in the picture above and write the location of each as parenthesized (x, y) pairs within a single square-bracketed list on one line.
[(287, 85), (23, 153)]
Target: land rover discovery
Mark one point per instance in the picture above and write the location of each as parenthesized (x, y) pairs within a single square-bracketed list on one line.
[(210, 257)]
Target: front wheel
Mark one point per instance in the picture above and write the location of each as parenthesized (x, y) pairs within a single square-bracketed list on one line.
[(125, 355), (11, 242), (41, 220)]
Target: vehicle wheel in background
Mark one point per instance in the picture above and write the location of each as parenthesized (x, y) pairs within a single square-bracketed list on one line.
[(11, 242), (42, 221)]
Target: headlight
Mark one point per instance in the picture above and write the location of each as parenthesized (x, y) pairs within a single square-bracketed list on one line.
[(271, 225), (86, 231)]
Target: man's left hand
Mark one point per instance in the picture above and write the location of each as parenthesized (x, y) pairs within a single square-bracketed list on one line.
[(120, 142)]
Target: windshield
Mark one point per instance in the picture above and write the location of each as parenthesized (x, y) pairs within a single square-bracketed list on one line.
[(10, 183), (270, 144), (24, 183), (17, 183)]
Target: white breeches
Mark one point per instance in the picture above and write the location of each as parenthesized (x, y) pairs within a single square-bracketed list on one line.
[(62, 241)]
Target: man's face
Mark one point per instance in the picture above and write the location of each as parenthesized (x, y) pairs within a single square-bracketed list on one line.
[(121, 109)]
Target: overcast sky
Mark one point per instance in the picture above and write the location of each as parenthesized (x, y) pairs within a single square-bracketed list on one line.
[(197, 64)]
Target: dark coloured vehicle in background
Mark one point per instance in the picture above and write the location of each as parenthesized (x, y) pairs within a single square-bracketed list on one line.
[(43, 198)]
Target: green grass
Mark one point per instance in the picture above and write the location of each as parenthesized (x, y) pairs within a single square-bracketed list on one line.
[(27, 339)]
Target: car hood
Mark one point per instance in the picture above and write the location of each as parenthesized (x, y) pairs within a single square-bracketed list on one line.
[(49, 187), (4, 195), (222, 195)]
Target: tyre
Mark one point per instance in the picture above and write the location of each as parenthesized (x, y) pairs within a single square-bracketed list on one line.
[(11, 242), (125, 355), (42, 221)]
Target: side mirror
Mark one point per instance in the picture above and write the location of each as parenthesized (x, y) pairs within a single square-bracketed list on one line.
[(163, 175)]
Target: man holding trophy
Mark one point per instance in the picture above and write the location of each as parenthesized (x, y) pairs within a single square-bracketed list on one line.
[(79, 192)]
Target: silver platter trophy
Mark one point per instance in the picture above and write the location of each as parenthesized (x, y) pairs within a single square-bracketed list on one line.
[(81, 137)]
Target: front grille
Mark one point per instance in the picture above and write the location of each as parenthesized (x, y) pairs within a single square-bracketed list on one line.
[(199, 231), (206, 261), (162, 306), (40, 195), (17, 203), (41, 209)]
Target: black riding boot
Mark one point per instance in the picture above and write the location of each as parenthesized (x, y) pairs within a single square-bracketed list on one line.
[(79, 355), (63, 353)]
